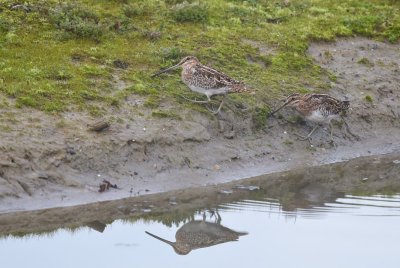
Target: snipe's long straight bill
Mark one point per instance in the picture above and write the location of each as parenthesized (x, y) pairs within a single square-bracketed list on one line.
[(165, 70), (161, 239), (277, 110)]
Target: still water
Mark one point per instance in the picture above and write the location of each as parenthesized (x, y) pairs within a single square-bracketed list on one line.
[(353, 231), (318, 227)]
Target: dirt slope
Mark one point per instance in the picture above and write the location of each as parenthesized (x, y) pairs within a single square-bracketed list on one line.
[(49, 161)]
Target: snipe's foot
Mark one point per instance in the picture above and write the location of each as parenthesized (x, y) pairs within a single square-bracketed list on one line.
[(303, 138), (332, 143)]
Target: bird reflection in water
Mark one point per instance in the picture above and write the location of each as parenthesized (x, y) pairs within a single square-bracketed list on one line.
[(200, 234)]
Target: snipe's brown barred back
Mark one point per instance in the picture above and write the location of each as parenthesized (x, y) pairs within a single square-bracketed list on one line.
[(206, 80), (317, 108)]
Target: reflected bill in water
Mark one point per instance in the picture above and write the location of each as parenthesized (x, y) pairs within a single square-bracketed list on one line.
[(200, 234)]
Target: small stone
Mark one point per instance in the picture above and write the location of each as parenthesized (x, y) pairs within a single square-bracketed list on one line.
[(71, 151), (250, 187), (230, 135), (396, 162), (226, 192), (216, 167), (99, 126)]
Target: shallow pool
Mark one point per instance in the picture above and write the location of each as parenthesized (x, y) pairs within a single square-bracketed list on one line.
[(350, 231)]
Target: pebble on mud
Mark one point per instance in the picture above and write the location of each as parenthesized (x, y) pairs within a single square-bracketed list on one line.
[(226, 192), (216, 167), (99, 126), (250, 187)]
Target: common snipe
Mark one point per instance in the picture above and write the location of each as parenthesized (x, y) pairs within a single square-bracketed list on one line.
[(206, 80), (317, 108)]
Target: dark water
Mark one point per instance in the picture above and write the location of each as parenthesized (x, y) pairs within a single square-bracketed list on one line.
[(335, 230)]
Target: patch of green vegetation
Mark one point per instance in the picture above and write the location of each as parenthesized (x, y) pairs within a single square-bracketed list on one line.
[(55, 55), (190, 12), (311, 148), (333, 77), (368, 98), (165, 114), (260, 116), (288, 142), (61, 123), (152, 102), (365, 61), (76, 21), (328, 55), (141, 89), (132, 10)]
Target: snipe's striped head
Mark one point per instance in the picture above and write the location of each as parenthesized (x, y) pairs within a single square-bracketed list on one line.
[(292, 98), (345, 105), (188, 60), (184, 62)]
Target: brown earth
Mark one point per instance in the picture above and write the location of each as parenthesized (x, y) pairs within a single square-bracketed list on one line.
[(53, 161), (302, 188)]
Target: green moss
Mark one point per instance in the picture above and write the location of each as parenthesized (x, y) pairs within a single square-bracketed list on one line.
[(333, 77), (288, 142), (141, 89), (260, 116), (152, 102), (61, 54), (368, 98), (365, 61), (26, 101), (165, 114)]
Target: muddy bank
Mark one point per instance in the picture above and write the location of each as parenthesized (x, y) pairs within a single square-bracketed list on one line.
[(301, 188), (54, 161)]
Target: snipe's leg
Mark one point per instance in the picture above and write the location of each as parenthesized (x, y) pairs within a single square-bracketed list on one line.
[(331, 142), (197, 101), (348, 130), (215, 214), (219, 108), (331, 135), (303, 138)]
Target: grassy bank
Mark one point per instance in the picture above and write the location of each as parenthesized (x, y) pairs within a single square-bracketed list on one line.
[(89, 55)]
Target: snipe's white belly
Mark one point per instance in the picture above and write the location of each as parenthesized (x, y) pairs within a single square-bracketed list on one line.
[(209, 92), (318, 117)]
